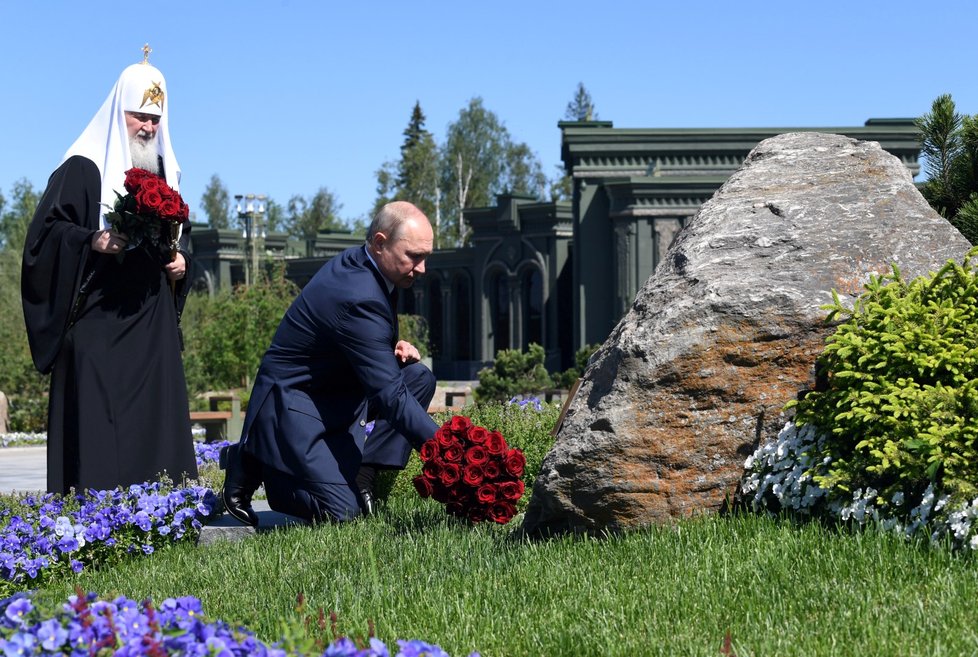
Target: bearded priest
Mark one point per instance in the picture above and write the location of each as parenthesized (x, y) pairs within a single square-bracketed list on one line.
[(101, 316)]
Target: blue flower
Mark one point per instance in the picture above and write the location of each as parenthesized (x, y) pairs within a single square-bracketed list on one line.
[(18, 645), (416, 648), (52, 635)]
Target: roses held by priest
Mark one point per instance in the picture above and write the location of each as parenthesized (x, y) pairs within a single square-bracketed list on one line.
[(151, 213)]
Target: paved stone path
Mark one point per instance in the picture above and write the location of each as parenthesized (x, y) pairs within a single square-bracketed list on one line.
[(23, 469)]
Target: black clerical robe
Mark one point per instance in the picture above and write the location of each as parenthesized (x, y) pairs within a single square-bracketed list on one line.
[(107, 332)]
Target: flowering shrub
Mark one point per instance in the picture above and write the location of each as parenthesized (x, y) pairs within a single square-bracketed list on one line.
[(472, 471), (85, 625), (45, 535), (783, 475), (524, 401)]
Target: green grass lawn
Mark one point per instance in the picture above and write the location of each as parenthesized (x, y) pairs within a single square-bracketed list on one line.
[(778, 588), (775, 587)]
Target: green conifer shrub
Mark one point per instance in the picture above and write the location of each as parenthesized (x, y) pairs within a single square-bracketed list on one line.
[(513, 373), (900, 409)]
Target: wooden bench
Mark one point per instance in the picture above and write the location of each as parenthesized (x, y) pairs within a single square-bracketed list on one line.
[(220, 425)]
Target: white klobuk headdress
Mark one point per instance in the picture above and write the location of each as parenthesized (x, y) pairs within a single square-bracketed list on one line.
[(140, 88)]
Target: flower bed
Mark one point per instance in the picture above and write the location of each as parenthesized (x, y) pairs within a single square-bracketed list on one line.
[(85, 625), (780, 476), (44, 535)]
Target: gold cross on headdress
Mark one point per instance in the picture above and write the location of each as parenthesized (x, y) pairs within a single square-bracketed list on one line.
[(146, 51)]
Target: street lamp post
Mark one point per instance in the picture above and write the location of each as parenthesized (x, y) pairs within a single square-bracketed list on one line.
[(252, 217)]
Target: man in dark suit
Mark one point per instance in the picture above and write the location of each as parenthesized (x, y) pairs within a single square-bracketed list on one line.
[(334, 364)]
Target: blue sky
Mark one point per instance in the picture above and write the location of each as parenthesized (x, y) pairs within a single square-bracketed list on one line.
[(282, 97)]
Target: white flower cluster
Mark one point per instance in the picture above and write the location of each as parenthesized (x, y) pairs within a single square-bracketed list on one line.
[(65, 529), (779, 475), (782, 470)]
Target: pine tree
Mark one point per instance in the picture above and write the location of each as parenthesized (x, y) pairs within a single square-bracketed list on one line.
[(950, 149), (581, 108)]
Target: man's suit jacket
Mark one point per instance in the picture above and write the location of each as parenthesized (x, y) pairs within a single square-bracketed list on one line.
[(333, 353)]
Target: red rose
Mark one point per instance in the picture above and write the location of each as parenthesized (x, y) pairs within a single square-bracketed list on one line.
[(478, 435), (429, 450), (152, 184), (450, 474), (169, 209), (148, 200), (486, 494), (511, 490), (423, 485), (134, 178), (495, 443), (473, 475), (453, 453), (514, 462), (459, 424), (502, 512), (444, 438), (432, 470), (492, 469), (476, 455), (184, 212)]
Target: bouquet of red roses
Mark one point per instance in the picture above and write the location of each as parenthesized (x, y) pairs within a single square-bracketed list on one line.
[(472, 471), (151, 212)]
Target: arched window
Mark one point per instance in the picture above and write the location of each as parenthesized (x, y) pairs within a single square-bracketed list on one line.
[(532, 301), (499, 310), (463, 318), (435, 326)]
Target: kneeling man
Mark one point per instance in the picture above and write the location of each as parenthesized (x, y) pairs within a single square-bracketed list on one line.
[(334, 364)]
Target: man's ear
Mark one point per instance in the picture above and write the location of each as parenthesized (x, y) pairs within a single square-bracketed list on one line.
[(379, 240)]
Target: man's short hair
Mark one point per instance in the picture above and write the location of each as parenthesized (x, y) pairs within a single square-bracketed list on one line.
[(389, 218)]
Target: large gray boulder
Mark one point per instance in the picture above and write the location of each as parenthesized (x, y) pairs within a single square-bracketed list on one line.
[(727, 329)]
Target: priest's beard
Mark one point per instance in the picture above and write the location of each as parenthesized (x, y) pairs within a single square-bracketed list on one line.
[(144, 154)]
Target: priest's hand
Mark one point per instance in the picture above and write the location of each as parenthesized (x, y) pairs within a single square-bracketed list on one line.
[(109, 241), (406, 352), (177, 269)]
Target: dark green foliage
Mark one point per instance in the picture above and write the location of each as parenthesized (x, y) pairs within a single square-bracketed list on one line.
[(414, 177), (950, 149), (902, 393), (306, 218), (479, 160), (25, 387), (568, 377), (414, 329), (523, 427), (227, 335), (217, 203), (513, 373)]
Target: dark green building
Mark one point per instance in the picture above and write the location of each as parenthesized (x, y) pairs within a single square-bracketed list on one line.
[(560, 274)]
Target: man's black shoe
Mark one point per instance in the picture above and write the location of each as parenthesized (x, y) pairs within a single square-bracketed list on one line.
[(242, 477), (368, 502)]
